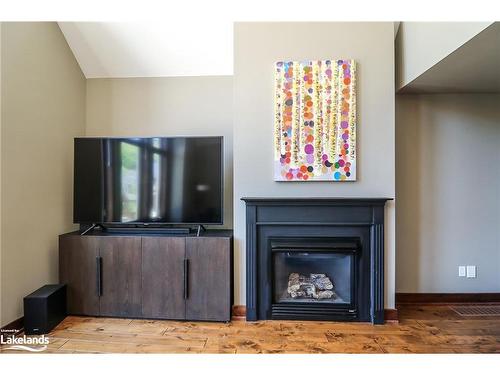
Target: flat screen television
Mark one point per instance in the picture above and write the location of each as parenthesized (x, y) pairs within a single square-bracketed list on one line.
[(170, 180)]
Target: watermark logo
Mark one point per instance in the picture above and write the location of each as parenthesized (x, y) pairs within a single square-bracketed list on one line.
[(10, 341)]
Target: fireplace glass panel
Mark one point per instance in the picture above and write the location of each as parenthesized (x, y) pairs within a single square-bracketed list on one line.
[(312, 277)]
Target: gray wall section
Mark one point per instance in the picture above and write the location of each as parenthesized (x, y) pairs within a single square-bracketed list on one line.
[(257, 46), (43, 108), (166, 106), (421, 45), (448, 189)]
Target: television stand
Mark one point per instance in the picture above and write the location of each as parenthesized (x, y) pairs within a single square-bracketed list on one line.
[(148, 275)]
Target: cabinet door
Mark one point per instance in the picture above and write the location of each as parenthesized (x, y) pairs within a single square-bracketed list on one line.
[(209, 278), (121, 276), (163, 277), (78, 270)]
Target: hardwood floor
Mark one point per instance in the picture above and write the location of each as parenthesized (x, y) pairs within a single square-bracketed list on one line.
[(422, 329)]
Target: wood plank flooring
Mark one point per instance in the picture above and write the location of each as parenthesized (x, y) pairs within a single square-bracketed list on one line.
[(422, 329)]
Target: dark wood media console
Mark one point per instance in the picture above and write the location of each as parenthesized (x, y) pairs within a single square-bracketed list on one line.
[(155, 276)]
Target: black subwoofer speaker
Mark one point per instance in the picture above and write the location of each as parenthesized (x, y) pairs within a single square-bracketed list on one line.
[(44, 309)]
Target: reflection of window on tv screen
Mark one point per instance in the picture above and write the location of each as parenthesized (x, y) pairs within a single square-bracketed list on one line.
[(129, 181)]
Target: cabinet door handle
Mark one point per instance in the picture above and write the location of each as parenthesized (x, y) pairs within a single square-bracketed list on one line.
[(186, 273), (99, 275)]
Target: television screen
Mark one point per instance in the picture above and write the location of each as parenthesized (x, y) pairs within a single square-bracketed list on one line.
[(174, 180)]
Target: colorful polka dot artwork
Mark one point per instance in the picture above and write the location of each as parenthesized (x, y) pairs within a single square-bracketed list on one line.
[(315, 120)]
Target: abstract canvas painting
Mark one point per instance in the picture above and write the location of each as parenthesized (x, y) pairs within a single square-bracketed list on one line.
[(315, 120)]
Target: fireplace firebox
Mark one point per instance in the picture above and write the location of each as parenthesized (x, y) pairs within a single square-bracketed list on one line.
[(315, 259), (313, 271)]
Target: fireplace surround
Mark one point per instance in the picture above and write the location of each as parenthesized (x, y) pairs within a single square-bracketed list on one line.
[(315, 259)]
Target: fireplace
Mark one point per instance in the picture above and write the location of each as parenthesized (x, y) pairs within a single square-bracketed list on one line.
[(315, 259)]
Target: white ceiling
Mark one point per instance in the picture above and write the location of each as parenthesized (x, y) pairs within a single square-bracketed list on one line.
[(474, 67), (151, 49)]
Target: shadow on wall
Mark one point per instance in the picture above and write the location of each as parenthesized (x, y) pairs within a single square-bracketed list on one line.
[(85, 33), (407, 191), (448, 210)]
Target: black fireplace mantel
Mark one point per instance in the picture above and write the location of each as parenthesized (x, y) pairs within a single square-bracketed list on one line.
[(320, 200), (268, 217)]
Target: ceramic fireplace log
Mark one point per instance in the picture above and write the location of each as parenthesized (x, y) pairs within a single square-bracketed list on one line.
[(317, 285)]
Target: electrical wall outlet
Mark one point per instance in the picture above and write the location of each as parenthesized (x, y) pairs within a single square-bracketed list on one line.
[(461, 271), (471, 271)]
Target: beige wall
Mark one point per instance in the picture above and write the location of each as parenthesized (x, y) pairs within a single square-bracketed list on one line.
[(43, 108), (448, 189), (420, 45), (166, 106), (257, 46)]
